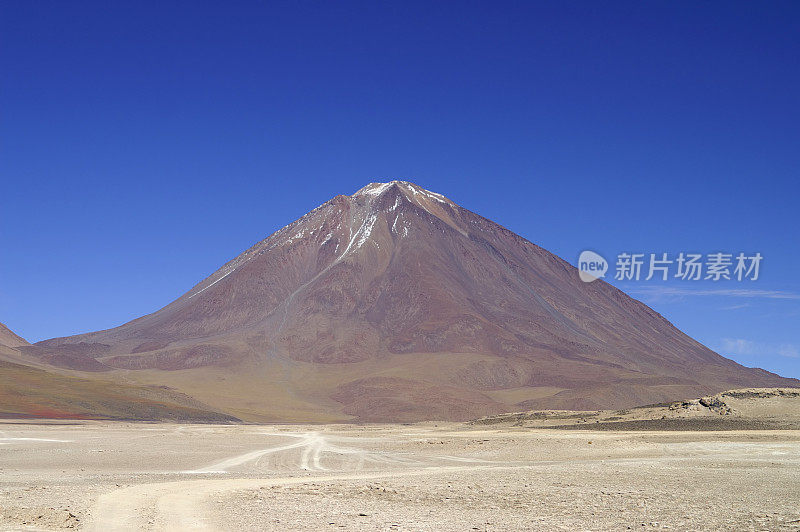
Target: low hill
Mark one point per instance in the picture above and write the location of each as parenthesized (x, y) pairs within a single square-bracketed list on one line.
[(9, 339), (27, 392), (743, 409)]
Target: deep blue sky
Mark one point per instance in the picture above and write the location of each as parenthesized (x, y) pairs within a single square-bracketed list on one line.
[(143, 145)]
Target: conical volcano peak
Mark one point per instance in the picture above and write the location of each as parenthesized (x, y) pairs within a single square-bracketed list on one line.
[(394, 303), (389, 196), (402, 204), (408, 188)]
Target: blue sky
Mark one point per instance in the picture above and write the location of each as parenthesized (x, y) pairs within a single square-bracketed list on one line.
[(143, 145)]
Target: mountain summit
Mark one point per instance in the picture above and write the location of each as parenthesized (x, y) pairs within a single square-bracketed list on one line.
[(397, 304)]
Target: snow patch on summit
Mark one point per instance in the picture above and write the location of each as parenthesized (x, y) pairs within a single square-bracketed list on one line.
[(417, 190), (374, 189)]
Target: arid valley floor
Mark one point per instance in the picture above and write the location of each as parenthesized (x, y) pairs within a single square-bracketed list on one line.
[(135, 476)]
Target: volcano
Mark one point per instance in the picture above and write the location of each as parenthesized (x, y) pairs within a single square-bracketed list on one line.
[(396, 304)]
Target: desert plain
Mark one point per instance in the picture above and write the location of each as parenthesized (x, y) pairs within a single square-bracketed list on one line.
[(548, 471)]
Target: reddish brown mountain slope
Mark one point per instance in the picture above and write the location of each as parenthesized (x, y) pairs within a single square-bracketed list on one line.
[(396, 304), (9, 338)]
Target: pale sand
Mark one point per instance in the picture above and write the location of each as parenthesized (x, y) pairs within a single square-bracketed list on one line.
[(119, 476)]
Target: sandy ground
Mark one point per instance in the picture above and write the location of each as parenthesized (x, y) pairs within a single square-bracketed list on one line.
[(118, 476)]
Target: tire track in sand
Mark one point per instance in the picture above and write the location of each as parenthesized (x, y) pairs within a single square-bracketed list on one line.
[(178, 505)]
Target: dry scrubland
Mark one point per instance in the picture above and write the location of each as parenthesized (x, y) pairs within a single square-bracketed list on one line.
[(501, 473)]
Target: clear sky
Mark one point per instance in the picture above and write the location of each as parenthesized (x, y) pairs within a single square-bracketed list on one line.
[(143, 145)]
